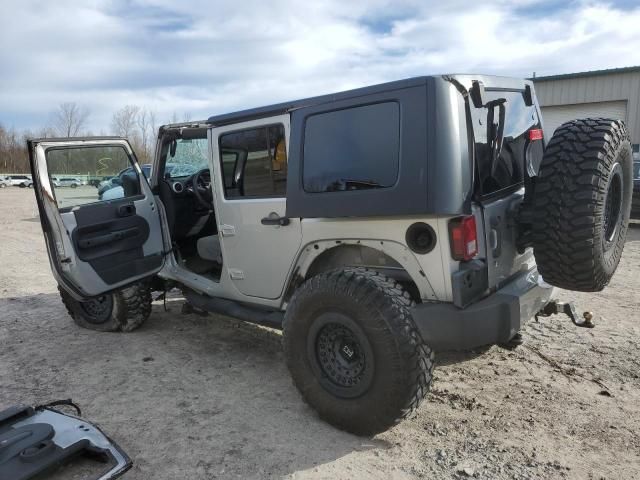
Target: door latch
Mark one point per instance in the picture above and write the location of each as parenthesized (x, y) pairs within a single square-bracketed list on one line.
[(275, 219)]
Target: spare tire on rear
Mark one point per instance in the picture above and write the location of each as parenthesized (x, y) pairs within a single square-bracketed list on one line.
[(581, 204)]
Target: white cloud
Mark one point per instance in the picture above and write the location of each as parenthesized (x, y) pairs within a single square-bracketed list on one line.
[(205, 57)]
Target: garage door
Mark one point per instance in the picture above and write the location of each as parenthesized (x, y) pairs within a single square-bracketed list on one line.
[(556, 115)]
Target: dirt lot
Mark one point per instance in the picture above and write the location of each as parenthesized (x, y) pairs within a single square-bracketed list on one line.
[(209, 397)]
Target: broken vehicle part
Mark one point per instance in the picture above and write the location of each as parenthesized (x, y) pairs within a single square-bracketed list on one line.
[(38, 440)]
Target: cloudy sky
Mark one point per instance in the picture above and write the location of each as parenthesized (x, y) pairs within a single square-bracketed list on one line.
[(201, 57)]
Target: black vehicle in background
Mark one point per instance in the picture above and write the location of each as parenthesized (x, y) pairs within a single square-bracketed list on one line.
[(635, 202)]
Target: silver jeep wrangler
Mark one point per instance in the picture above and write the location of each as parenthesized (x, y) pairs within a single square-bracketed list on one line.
[(374, 226)]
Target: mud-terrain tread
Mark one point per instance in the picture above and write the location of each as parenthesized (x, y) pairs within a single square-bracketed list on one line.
[(370, 287), (569, 202), (132, 307), (137, 301)]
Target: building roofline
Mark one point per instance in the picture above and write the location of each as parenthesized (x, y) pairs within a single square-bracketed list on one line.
[(592, 73)]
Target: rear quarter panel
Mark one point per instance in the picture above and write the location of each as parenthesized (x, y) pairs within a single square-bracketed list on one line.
[(431, 272)]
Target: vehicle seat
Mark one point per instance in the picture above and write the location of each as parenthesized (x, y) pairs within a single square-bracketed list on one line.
[(166, 196), (130, 185), (209, 248)]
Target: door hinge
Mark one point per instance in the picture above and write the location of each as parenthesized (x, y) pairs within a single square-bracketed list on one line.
[(228, 230), (236, 274)]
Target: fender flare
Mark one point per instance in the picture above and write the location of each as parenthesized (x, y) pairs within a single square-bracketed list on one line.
[(398, 252)]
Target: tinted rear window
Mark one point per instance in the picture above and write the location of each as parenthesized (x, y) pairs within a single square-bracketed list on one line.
[(502, 166), (352, 149)]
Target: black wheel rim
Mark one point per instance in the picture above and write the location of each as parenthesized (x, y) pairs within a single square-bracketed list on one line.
[(613, 205), (341, 355), (98, 310)]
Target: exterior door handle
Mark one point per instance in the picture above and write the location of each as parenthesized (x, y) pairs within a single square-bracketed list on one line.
[(275, 219)]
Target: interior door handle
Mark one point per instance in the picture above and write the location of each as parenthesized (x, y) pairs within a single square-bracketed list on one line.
[(110, 237), (126, 210), (275, 219)]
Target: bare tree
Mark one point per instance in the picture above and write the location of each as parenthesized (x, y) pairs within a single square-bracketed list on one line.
[(69, 119), (139, 126), (124, 121), (146, 125)]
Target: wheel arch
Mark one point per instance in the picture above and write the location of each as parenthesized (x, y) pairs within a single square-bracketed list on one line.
[(391, 258)]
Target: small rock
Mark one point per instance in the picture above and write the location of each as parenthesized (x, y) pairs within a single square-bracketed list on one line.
[(148, 359), (468, 471)]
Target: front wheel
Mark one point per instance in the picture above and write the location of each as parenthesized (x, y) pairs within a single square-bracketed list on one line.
[(354, 352), (123, 310)]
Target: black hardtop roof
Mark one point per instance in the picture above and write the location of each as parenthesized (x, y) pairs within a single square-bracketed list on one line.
[(282, 108)]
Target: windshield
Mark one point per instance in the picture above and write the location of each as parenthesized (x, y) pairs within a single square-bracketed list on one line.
[(190, 156)]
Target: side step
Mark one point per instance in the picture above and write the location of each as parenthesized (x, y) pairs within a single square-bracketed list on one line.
[(267, 318)]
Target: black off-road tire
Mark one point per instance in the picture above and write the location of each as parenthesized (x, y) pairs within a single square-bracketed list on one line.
[(120, 311), (581, 204), (397, 365)]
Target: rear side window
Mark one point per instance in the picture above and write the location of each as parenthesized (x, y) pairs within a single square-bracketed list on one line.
[(352, 149)]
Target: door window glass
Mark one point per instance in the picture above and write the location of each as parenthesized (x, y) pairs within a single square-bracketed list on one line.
[(82, 175), (254, 162), (352, 149)]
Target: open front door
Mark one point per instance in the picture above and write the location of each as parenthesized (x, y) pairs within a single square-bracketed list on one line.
[(102, 227)]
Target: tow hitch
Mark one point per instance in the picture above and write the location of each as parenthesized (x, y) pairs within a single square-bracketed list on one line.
[(555, 307)]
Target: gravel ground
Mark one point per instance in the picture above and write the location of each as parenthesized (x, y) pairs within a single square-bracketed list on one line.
[(209, 397)]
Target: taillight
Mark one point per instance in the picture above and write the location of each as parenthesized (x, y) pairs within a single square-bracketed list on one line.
[(535, 134), (464, 239)]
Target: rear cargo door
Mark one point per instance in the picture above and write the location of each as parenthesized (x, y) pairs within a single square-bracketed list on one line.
[(506, 155), (101, 235)]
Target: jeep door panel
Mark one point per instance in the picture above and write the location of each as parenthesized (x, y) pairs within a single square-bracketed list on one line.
[(259, 243), (95, 246)]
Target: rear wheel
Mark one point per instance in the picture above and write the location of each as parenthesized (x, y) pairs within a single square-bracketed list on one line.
[(123, 310), (581, 204), (354, 352)]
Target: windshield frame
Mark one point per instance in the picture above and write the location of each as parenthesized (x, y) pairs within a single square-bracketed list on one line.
[(166, 135)]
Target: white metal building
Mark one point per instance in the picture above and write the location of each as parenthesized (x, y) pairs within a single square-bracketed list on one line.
[(613, 93)]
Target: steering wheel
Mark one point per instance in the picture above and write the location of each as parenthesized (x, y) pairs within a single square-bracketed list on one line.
[(201, 182)]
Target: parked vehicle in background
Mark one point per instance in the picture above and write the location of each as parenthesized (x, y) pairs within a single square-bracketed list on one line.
[(635, 203), (96, 181), (66, 182), (20, 181), (4, 182)]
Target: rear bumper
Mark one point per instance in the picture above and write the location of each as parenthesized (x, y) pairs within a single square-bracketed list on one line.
[(495, 319)]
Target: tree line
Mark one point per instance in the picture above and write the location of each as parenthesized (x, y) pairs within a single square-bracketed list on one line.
[(138, 124)]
